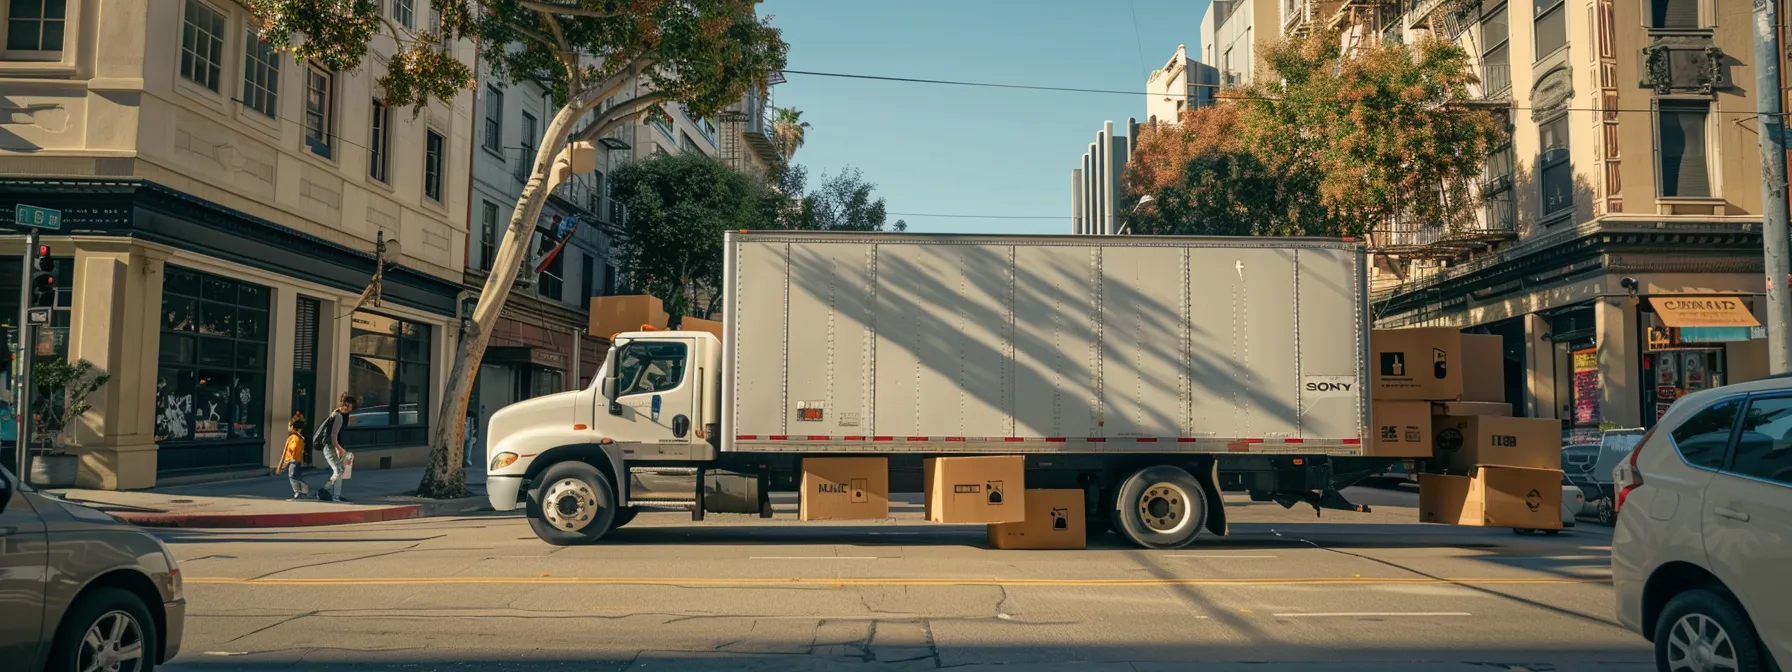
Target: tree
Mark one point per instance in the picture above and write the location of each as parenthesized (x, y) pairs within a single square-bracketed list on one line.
[(1324, 145), (679, 207), (705, 54), (789, 129), (844, 202)]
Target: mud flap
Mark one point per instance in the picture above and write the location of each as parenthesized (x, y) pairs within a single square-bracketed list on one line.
[(1216, 503)]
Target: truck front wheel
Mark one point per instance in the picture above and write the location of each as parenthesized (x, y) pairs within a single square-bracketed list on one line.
[(572, 504), (1161, 506)]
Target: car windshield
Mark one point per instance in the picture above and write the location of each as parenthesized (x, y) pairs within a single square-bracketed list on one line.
[(1622, 442)]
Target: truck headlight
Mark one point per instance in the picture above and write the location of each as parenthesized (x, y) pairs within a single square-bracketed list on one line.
[(502, 460)]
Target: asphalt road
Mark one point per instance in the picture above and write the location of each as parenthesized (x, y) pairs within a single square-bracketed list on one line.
[(1346, 592)]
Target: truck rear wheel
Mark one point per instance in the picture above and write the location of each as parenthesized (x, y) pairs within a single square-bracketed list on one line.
[(572, 504), (1161, 506)]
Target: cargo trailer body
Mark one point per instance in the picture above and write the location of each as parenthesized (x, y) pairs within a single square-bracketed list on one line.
[(882, 343)]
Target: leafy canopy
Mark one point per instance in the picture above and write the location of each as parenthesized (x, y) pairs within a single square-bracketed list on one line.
[(703, 53), (1324, 145), (679, 207)]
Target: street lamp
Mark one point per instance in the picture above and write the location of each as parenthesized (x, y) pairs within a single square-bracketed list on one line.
[(1147, 198)]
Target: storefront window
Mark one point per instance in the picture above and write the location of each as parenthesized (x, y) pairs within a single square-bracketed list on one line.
[(211, 379), (389, 375)]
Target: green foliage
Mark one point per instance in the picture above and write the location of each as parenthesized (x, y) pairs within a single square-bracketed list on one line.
[(679, 207), (789, 130), (843, 202), (702, 53), (1324, 145), (62, 390)]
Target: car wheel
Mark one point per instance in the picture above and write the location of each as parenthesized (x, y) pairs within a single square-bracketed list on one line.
[(572, 504), (1524, 531), (1700, 630), (1606, 511), (1160, 507), (107, 629), (1552, 532)]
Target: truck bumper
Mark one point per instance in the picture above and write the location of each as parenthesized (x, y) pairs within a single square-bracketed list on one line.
[(502, 491)]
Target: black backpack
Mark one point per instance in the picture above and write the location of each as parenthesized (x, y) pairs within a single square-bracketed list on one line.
[(320, 440)]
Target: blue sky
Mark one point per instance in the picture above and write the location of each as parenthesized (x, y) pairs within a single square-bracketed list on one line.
[(962, 150)]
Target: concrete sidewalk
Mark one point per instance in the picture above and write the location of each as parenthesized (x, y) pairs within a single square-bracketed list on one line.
[(265, 501)]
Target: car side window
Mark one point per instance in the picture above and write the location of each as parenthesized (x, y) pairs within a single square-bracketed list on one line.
[(645, 368), (1764, 450), (1704, 437)]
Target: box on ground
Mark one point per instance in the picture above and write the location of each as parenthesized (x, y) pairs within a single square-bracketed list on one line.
[(1463, 408), (1483, 367), (845, 488), (1465, 442), (983, 489), (1402, 429), (1494, 497), (1054, 520), (1415, 364)]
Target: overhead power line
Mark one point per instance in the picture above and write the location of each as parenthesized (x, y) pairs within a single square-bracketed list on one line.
[(962, 216)]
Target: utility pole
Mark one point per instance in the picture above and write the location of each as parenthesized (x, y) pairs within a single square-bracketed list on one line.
[(21, 400), (1776, 239)]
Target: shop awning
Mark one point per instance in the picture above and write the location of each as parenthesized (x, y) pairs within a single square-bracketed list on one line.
[(1703, 311)]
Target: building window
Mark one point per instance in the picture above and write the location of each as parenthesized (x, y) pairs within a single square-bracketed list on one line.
[(1497, 191), (494, 119), (433, 144), (35, 26), (588, 271), (1680, 128), (261, 76), (662, 121), (1496, 55), (403, 12), (488, 235), (685, 143), (1550, 26), (552, 282), (388, 372), (379, 141), (202, 44), (211, 380), (1554, 171), (1674, 14), (320, 113), (526, 160)]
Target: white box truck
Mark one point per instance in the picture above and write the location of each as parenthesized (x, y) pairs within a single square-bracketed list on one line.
[(1151, 372)]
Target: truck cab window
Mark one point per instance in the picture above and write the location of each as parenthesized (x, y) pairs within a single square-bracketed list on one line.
[(645, 368)]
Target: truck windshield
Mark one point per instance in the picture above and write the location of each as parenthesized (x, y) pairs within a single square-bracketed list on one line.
[(648, 367)]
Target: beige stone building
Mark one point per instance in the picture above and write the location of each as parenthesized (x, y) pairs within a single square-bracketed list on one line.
[(1630, 192), (221, 205)]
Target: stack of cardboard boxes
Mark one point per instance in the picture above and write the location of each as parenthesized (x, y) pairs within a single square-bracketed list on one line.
[(1438, 397), (987, 490)]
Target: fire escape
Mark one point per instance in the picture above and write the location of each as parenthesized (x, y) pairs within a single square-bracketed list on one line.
[(746, 132)]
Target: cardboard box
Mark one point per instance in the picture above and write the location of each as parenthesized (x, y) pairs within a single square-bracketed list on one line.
[(1494, 497), (1465, 442), (845, 488), (1401, 429), (1415, 364), (1483, 368), (1054, 521), (984, 489), (1462, 408)]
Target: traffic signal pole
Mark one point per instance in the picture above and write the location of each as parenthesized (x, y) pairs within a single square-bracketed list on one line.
[(26, 335)]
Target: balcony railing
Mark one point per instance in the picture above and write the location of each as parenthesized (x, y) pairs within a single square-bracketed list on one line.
[(1496, 82)]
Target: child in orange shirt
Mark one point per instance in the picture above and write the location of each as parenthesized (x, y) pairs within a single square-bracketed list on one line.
[(294, 457)]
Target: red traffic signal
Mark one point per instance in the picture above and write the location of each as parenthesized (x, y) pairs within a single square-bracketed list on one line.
[(43, 279)]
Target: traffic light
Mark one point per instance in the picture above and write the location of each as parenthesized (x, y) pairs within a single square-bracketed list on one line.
[(43, 279)]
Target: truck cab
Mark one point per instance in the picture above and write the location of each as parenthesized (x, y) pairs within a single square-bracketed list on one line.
[(655, 399)]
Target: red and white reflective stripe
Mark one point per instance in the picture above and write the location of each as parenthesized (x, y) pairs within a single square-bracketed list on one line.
[(1040, 439)]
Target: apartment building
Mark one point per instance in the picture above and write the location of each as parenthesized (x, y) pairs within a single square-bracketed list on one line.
[(1231, 30), (221, 208), (1618, 251), (1183, 83)]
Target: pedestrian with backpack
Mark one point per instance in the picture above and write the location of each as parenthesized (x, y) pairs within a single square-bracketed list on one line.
[(293, 459), (329, 440)]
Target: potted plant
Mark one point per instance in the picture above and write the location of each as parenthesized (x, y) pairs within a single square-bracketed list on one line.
[(61, 392)]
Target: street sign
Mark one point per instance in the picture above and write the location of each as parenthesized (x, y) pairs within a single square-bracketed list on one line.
[(36, 217), (38, 317)]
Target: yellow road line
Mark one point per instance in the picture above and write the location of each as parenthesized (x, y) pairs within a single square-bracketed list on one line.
[(843, 582)]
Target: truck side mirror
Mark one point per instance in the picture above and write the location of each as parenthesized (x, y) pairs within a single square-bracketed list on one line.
[(681, 425), (609, 393)]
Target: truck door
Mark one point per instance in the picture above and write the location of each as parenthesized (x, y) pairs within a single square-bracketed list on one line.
[(655, 393)]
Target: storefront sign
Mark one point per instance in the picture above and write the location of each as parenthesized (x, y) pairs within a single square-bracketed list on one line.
[(1661, 409), (1694, 368), (1703, 311), (1667, 369), (1666, 393), (1586, 387)]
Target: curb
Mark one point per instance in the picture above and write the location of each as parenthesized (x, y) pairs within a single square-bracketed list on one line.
[(306, 519)]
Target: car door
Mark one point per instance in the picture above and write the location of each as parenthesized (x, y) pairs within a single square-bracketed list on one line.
[(1748, 520), (24, 559), (655, 393)]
